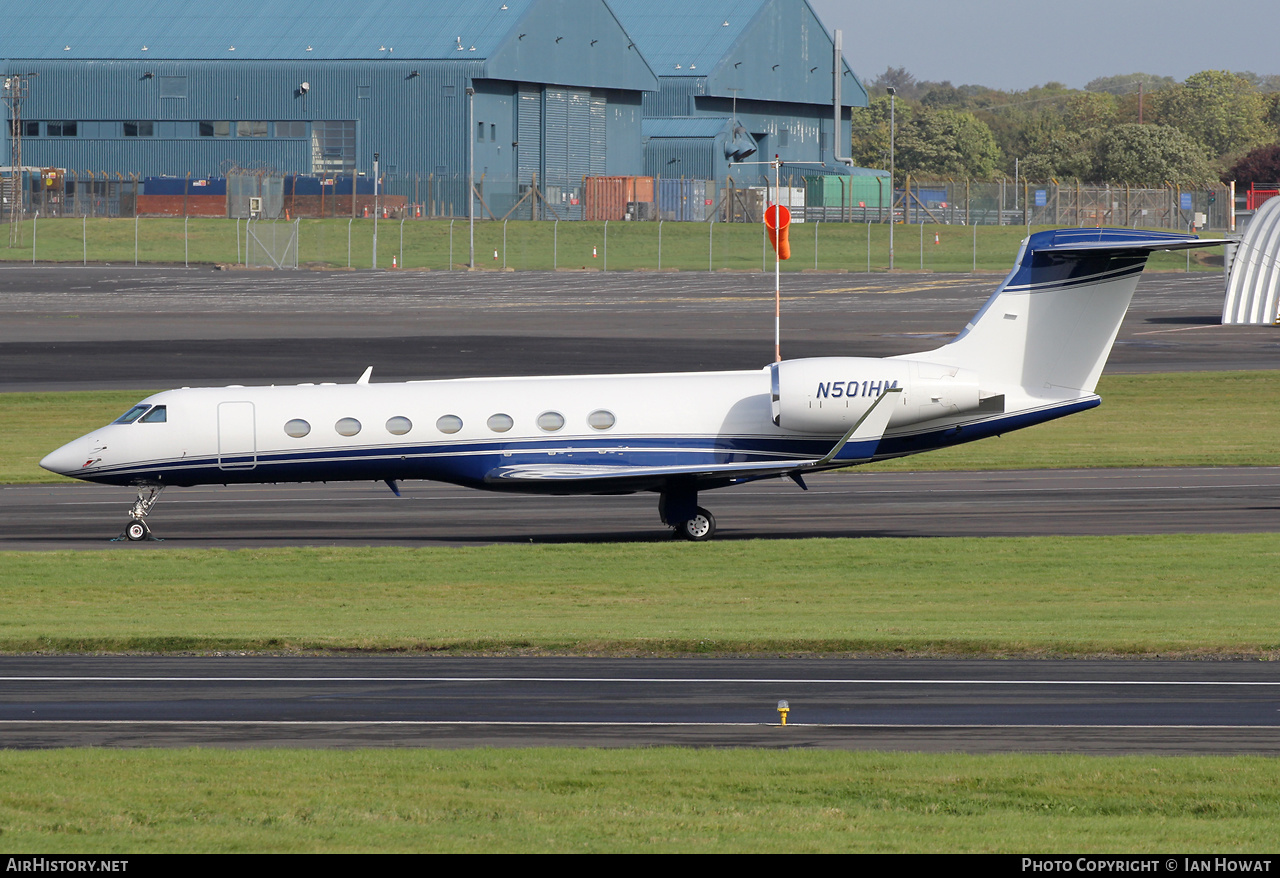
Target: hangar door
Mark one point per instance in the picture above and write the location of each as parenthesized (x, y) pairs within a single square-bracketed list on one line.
[(561, 134)]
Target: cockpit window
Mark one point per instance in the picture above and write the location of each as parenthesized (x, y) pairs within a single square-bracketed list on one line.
[(132, 414), (157, 415)]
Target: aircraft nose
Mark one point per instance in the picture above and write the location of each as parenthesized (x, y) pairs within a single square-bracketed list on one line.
[(72, 458)]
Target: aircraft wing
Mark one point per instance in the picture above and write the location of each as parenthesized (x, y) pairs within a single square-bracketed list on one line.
[(856, 446), (561, 472)]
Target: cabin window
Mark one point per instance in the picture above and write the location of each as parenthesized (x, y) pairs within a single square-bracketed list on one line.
[(157, 415), (297, 428), (449, 424), (132, 414), (600, 419), (347, 426), (398, 426), (550, 421), (500, 423)]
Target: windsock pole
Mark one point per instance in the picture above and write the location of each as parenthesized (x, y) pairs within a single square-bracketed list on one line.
[(777, 267)]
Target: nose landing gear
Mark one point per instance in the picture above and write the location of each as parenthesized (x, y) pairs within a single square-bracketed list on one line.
[(137, 530)]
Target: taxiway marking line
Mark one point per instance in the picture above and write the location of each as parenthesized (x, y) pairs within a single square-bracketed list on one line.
[(736, 680)]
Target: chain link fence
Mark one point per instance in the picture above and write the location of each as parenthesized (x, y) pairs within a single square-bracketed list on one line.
[(522, 245), (53, 192)]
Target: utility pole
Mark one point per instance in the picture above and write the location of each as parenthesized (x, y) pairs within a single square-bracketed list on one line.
[(471, 171), (16, 87), (893, 92)]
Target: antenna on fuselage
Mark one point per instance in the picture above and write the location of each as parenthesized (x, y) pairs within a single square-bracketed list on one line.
[(364, 379)]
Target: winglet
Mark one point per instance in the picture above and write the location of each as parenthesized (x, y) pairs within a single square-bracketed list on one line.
[(364, 379), (866, 432)]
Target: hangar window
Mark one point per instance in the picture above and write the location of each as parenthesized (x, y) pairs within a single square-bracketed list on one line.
[(784, 136), (550, 421), (173, 86), (139, 129), (62, 129), (500, 423), (333, 147), (32, 129), (600, 419), (480, 132), (157, 415), (398, 426), (449, 424), (291, 129), (297, 428), (215, 129), (132, 414), (251, 129), (347, 426)]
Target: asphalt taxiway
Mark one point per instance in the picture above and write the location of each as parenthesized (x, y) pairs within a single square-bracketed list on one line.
[(155, 328), (954, 706), (852, 504)]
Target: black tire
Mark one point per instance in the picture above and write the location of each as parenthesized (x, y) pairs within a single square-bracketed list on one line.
[(700, 528), (135, 531)]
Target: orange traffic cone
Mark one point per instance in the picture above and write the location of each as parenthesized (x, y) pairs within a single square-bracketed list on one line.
[(394, 263)]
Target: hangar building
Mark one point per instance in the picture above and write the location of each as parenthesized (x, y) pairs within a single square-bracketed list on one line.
[(562, 89), (739, 79)]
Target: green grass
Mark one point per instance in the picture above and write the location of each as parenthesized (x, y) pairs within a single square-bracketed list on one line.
[(637, 800), (1170, 419), (524, 245), (1179, 595)]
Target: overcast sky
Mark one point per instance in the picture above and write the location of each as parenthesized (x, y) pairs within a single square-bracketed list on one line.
[(1016, 45)]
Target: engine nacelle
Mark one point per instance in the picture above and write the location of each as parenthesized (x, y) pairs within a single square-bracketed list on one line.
[(830, 394)]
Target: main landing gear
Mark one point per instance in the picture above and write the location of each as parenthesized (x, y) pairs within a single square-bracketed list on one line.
[(137, 530), (679, 509)]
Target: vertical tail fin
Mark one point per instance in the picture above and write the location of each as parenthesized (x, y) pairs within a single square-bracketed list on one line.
[(1048, 329)]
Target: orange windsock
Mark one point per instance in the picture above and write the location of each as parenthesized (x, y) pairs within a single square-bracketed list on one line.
[(777, 219)]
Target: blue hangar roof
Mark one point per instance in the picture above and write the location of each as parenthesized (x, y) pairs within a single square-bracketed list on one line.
[(260, 29), (555, 41)]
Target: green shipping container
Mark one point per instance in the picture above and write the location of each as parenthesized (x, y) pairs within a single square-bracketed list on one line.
[(833, 191)]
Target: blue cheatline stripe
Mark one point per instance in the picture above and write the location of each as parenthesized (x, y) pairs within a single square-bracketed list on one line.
[(468, 463), (1101, 277)]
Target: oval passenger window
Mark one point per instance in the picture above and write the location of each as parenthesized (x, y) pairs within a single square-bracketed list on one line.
[(347, 427), (500, 423), (449, 424), (600, 419), (297, 428), (550, 421), (398, 426)]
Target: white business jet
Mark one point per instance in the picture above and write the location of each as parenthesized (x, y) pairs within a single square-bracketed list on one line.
[(1033, 353)]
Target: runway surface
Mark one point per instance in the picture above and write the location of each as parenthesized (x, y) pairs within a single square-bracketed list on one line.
[(974, 706), (154, 328), (1018, 503)]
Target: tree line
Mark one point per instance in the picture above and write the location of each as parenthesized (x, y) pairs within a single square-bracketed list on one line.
[(1138, 128)]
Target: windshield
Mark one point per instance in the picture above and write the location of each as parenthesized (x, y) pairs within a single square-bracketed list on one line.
[(157, 415), (132, 414)]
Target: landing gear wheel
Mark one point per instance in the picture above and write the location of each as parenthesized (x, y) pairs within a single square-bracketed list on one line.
[(136, 531), (701, 527)]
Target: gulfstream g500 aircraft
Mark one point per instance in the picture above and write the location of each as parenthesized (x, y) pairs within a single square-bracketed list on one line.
[(1033, 353)]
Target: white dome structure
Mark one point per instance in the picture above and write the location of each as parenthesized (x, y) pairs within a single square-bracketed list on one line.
[(1253, 284)]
